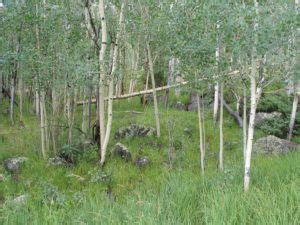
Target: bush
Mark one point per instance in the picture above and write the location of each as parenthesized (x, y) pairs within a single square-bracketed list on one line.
[(274, 126), (277, 103)]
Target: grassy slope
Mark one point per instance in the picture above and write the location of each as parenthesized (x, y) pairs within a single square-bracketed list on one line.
[(157, 194)]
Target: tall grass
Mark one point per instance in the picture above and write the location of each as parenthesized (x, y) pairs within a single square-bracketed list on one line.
[(157, 194)]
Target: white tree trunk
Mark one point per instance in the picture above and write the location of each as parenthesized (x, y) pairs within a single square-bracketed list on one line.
[(156, 112), (111, 89), (84, 124), (12, 98), (201, 144), (255, 94), (293, 115), (42, 122), (221, 158), (244, 123), (216, 103), (21, 98), (102, 73), (216, 97), (55, 105)]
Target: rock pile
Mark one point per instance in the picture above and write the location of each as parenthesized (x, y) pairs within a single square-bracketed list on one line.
[(274, 145), (122, 151), (134, 130), (142, 161), (262, 117), (13, 165)]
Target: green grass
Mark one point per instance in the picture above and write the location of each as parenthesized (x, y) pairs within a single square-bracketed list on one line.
[(157, 194)]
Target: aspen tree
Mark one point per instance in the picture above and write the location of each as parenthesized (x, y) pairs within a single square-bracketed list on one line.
[(221, 158), (244, 121), (102, 78), (294, 111), (42, 125), (111, 88), (296, 84), (201, 142), (216, 96), (255, 95), (156, 112)]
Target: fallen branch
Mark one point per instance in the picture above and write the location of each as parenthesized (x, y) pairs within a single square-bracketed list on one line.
[(235, 72), (235, 115), (136, 93)]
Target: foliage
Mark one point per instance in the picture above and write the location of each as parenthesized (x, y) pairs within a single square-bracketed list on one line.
[(275, 103), (275, 126)]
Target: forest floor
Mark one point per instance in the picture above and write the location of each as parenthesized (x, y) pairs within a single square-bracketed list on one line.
[(161, 193)]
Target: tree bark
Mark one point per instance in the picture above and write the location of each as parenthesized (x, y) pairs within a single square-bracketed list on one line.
[(156, 112), (221, 159), (255, 94), (216, 96), (245, 123), (12, 97), (42, 123), (111, 89), (21, 98), (293, 115), (201, 144), (102, 74), (235, 115)]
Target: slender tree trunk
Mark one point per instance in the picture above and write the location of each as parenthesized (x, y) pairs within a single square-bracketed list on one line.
[(238, 103), (36, 96), (296, 84), (12, 98), (216, 103), (156, 112), (203, 124), (111, 89), (170, 80), (84, 124), (255, 94), (90, 108), (216, 96), (55, 105), (42, 123), (221, 159), (21, 98), (102, 74), (37, 101), (245, 122), (201, 144), (46, 129), (69, 115), (147, 73), (293, 115)]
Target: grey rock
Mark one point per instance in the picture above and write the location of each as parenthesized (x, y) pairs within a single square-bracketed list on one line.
[(57, 161), (14, 164), (142, 161), (187, 131), (274, 145), (2, 177), (134, 130), (262, 116), (20, 199), (122, 151), (180, 106)]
